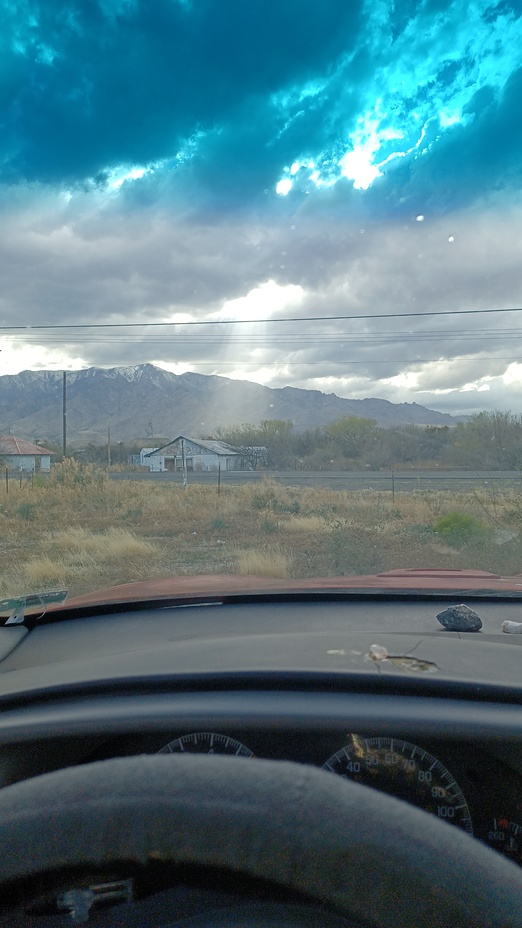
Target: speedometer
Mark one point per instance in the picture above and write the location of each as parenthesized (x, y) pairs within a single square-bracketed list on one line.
[(406, 771), (206, 742)]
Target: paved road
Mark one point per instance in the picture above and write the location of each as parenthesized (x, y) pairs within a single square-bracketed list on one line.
[(404, 481)]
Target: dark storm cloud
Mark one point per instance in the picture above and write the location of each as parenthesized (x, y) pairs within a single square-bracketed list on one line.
[(486, 153), (63, 261), (227, 93), (96, 85)]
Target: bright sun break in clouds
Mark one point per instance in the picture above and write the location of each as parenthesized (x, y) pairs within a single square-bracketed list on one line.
[(119, 176), (262, 302), (422, 92)]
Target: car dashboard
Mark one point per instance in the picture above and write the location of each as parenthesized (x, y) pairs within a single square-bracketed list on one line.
[(292, 681)]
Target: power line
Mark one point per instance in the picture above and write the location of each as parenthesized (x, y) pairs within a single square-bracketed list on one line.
[(338, 318)]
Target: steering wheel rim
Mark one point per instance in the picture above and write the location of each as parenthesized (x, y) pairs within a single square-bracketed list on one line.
[(365, 853)]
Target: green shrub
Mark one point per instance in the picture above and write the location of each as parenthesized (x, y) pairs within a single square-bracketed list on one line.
[(292, 506), (260, 502), (27, 511), (459, 528)]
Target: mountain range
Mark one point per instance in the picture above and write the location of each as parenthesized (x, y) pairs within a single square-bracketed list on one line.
[(145, 401)]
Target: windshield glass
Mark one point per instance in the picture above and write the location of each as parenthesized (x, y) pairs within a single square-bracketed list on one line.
[(260, 289)]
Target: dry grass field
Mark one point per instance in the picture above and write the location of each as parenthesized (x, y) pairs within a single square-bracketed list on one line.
[(76, 529)]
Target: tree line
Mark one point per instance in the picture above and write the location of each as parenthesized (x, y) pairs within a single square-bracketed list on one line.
[(487, 441)]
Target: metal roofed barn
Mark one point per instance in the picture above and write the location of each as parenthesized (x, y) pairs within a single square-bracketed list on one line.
[(200, 455)]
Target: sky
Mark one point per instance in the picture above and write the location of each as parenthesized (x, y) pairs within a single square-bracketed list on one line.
[(314, 195)]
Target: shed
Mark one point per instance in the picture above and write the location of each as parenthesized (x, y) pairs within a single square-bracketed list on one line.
[(200, 456), (21, 455)]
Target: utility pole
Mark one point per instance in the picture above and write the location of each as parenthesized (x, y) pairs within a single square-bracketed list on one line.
[(108, 447), (64, 415), (183, 463)]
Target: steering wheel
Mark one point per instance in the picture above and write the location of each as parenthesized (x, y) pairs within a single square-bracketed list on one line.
[(364, 853)]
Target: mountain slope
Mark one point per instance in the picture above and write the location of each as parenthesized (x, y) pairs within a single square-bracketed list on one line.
[(146, 400)]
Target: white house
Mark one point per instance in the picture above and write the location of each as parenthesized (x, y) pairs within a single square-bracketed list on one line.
[(143, 457), (19, 455), (199, 456)]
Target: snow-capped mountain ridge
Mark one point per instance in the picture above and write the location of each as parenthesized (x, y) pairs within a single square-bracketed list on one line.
[(146, 400)]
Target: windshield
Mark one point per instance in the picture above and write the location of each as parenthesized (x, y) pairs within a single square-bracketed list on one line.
[(260, 290)]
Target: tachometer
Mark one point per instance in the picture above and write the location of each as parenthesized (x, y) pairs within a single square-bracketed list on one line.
[(406, 771), (206, 742), (505, 835)]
